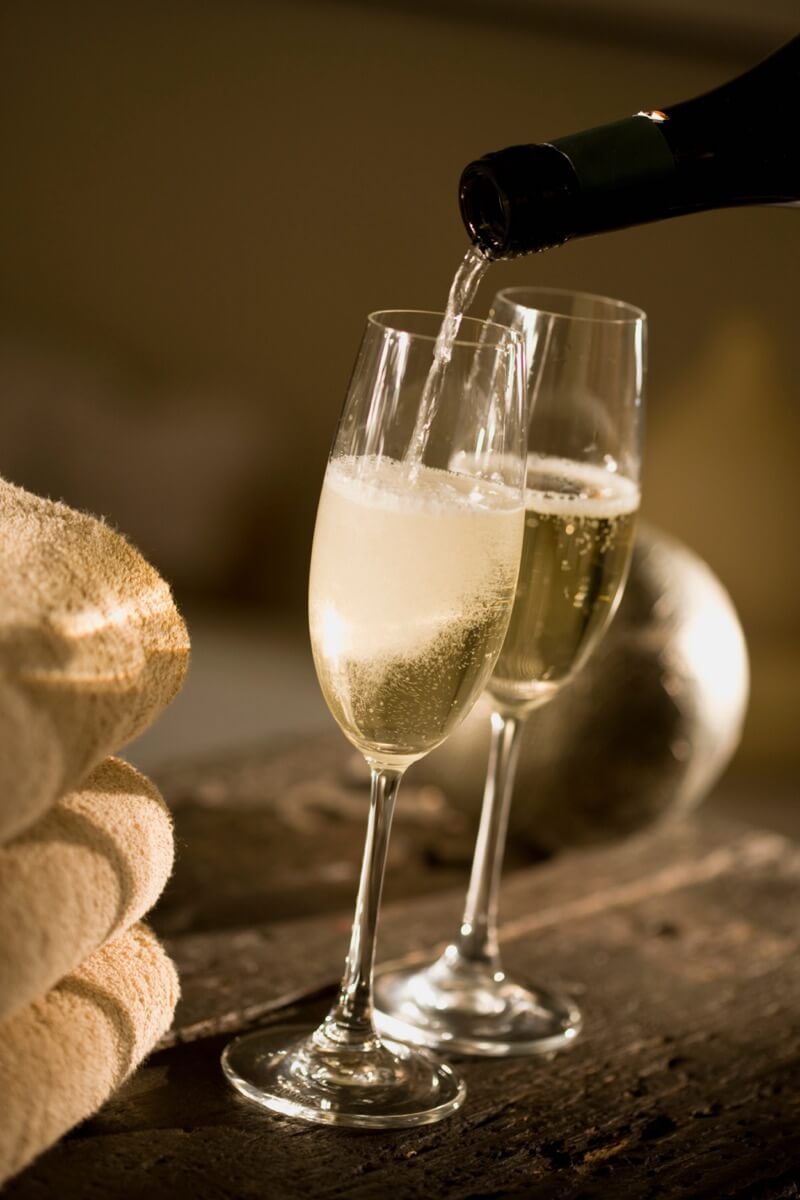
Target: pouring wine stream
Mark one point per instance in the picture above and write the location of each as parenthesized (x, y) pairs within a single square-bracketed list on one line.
[(465, 284)]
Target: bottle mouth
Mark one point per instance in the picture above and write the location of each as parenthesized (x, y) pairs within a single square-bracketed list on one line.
[(517, 200), (485, 209)]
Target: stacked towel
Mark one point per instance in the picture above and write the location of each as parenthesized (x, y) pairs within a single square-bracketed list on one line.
[(61, 1057), (91, 650), (90, 867)]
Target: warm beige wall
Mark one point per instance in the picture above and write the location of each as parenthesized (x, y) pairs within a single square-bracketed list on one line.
[(201, 201)]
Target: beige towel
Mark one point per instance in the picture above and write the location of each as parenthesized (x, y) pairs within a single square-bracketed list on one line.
[(92, 648), (64, 1055), (91, 866)]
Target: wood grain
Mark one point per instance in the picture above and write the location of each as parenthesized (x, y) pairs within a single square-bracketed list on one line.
[(682, 951)]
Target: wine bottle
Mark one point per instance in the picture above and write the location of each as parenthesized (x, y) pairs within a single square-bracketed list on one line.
[(735, 145)]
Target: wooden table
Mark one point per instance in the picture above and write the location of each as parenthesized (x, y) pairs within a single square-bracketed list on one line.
[(681, 948)]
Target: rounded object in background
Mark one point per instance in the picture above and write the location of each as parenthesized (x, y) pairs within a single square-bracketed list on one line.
[(643, 730)]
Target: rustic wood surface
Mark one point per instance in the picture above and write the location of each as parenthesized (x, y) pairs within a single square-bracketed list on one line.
[(681, 948), (277, 833)]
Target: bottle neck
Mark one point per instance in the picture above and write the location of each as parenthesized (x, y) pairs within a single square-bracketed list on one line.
[(529, 198), (732, 146)]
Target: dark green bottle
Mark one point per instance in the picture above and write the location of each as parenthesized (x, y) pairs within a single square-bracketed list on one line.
[(736, 145)]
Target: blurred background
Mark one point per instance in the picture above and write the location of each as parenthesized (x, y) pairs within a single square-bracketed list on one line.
[(201, 201)]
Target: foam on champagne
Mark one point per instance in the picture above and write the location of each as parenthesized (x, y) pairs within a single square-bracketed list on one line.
[(409, 598), (563, 487)]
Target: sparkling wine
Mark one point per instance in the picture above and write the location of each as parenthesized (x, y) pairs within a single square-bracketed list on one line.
[(465, 284), (579, 525), (410, 588)]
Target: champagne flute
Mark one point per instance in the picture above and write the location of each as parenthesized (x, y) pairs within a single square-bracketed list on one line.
[(415, 560), (586, 365)]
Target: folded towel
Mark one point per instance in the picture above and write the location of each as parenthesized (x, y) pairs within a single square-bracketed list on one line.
[(91, 866), (64, 1055), (92, 648)]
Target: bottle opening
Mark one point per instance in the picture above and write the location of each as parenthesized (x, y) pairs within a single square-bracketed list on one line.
[(517, 200), (484, 209)]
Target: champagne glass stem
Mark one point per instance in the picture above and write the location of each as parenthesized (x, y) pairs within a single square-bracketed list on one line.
[(350, 1020), (477, 938)]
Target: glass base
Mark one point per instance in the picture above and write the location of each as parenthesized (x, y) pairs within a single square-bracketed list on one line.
[(371, 1084), (458, 1007)]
